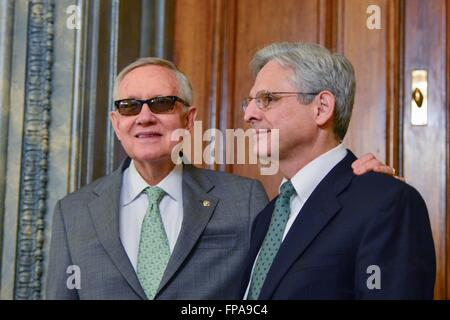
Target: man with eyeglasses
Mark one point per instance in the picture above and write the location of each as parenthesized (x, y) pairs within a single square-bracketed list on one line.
[(329, 234), (154, 229)]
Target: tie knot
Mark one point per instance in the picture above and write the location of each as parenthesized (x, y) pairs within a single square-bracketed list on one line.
[(287, 189), (154, 194)]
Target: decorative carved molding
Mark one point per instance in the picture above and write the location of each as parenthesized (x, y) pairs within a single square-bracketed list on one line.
[(34, 178)]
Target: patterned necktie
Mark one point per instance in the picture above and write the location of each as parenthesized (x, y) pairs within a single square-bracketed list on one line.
[(154, 251), (272, 241)]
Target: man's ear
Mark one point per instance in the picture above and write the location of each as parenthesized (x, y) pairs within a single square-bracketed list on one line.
[(114, 117), (326, 103), (191, 114)]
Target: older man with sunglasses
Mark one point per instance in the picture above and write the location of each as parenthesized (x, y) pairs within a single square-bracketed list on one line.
[(154, 229)]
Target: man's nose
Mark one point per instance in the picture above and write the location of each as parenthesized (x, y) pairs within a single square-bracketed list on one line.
[(146, 115), (252, 112)]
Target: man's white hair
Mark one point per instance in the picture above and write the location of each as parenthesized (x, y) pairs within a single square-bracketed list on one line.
[(184, 86)]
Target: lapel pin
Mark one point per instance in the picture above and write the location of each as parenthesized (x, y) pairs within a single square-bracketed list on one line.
[(206, 203)]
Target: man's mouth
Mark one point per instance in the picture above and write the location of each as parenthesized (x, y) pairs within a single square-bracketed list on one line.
[(262, 131), (147, 135)]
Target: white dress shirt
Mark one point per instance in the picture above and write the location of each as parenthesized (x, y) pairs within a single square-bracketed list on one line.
[(134, 204), (308, 178), (305, 182)]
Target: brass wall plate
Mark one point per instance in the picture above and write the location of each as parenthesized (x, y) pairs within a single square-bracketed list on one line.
[(419, 98)]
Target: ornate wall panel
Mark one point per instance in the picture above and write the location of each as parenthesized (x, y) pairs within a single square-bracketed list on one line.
[(33, 184)]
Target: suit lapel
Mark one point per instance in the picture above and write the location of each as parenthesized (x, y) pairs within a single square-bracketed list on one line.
[(104, 211), (198, 207), (318, 210)]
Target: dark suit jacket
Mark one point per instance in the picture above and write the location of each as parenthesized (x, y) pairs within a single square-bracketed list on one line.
[(207, 259), (348, 224)]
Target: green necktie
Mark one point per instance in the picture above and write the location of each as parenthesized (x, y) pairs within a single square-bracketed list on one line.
[(154, 251), (272, 241)]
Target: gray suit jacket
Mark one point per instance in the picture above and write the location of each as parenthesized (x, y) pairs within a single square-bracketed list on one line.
[(206, 262)]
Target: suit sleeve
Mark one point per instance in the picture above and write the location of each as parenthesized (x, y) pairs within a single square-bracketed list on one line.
[(59, 260), (396, 257)]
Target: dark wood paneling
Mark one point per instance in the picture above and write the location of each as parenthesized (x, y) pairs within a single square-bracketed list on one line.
[(128, 50), (425, 146), (227, 109), (327, 23), (394, 51), (129, 32), (367, 49), (204, 41), (195, 54), (193, 49)]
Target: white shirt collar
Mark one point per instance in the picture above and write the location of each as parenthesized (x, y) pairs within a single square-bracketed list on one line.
[(134, 184), (307, 179)]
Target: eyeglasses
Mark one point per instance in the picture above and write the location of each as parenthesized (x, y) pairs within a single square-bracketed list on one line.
[(132, 107), (264, 98)]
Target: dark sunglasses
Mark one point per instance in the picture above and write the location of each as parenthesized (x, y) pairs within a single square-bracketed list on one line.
[(132, 107)]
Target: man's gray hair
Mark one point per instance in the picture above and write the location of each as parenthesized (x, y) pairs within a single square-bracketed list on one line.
[(315, 69), (184, 86)]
